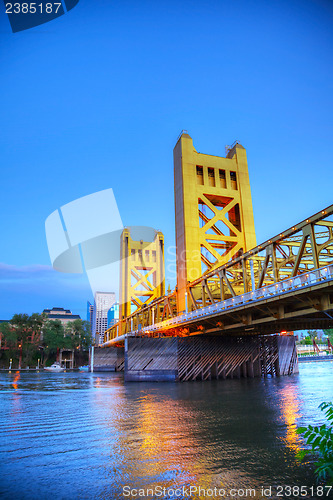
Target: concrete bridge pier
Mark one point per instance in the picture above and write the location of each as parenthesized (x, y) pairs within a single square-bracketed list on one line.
[(108, 360), (151, 360), (209, 357)]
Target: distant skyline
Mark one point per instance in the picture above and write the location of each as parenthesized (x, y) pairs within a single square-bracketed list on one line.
[(97, 98)]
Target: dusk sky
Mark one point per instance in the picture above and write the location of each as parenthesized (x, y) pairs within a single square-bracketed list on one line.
[(97, 98)]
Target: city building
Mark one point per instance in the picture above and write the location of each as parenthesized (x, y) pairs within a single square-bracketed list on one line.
[(63, 315), (90, 313), (113, 314), (102, 303)]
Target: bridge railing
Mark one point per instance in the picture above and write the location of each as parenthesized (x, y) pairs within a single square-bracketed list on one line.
[(270, 268), (302, 248), (286, 286)]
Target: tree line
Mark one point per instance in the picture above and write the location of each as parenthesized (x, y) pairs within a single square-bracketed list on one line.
[(313, 335), (29, 338)]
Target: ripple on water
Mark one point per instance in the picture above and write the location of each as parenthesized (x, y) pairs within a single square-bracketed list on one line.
[(86, 435)]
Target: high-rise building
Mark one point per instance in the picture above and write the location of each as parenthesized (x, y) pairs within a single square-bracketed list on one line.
[(103, 302), (113, 314)]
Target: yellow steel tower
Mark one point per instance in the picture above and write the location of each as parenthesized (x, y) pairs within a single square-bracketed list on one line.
[(214, 215), (141, 269)]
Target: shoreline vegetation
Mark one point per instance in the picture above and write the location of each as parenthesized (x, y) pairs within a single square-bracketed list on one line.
[(35, 341), (320, 445)]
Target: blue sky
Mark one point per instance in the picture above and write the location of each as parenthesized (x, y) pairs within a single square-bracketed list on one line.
[(96, 99)]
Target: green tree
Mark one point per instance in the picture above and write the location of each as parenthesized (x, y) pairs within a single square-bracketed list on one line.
[(9, 336), (329, 334), (321, 441), (24, 336), (80, 334), (28, 328), (312, 334), (37, 322), (54, 338)]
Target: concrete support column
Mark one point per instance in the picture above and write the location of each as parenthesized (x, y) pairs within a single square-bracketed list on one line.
[(151, 360), (208, 357), (106, 359)]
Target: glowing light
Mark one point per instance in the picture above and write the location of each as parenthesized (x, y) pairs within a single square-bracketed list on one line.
[(16, 379), (290, 413)]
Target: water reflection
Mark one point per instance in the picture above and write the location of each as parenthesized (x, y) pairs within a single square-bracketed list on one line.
[(95, 434), (215, 435), (16, 379), (164, 442), (290, 412)]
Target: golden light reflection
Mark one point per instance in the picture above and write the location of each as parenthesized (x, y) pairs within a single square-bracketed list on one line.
[(170, 444), (16, 379), (15, 414), (290, 414), (161, 439), (162, 433)]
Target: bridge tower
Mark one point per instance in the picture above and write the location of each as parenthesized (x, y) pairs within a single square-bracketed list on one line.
[(141, 268), (214, 215)]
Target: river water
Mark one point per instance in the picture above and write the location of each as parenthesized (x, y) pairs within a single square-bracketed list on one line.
[(80, 435)]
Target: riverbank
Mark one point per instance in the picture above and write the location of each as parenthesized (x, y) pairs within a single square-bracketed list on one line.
[(303, 359), (28, 370)]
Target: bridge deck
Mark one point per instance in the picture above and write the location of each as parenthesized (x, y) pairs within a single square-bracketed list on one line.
[(305, 301)]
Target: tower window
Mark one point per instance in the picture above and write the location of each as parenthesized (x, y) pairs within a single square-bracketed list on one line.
[(211, 177), (200, 175), (233, 179), (222, 179)]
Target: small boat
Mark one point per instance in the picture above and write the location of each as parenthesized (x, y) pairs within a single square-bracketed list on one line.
[(84, 368), (54, 368)]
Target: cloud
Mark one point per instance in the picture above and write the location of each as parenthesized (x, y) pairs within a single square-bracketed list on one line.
[(37, 273), (27, 289), (13, 273)]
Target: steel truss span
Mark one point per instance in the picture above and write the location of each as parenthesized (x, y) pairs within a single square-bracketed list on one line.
[(283, 283)]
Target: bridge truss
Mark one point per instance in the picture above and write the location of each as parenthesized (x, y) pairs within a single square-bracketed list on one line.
[(285, 282)]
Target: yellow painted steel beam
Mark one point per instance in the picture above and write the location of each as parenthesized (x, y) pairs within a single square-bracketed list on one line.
[(141, 272), (307, 246), (214, 215)]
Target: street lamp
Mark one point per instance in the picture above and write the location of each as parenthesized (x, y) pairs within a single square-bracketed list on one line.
[(20, 359)]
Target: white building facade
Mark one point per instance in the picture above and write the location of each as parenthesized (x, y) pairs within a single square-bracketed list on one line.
[(103, 302)]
